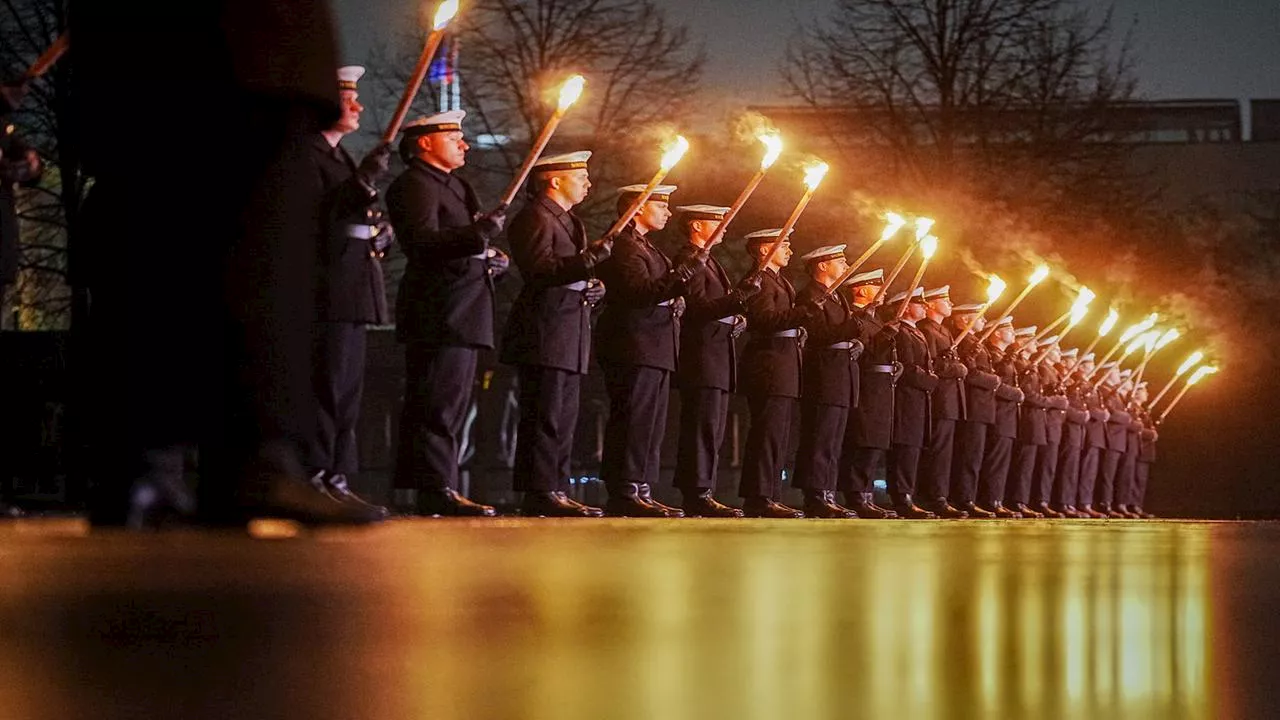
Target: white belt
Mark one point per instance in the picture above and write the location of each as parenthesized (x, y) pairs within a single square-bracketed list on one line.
[(667, 303), (482, 256), (579, 286), (840, 346), (793, 332), (730, 320), (362, 232), (887, 369)]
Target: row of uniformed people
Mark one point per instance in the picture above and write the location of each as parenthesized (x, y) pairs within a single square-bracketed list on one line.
[(865, 390)]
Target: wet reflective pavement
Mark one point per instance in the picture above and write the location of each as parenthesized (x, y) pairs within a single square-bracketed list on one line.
[(644, 619)]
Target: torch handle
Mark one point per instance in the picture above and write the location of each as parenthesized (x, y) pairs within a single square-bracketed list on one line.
[(1151, 405), (636, 204), (1080, 356), (535, 152), (1176, 399), (415, 83), (48, 57), (1052, 326), (718, 235), (786, 229), (915, 283), (893, 275), (981, 311), (862, 259), (1016, 301)]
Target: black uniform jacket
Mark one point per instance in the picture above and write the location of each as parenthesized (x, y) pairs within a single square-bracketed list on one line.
[(911, 417), (771, 364), (635, 327), (1033, 424), (13, 169), (1118, 423), (446, 295), (1147, 438), (550, 322), (1056, 412), (831, 375), (872, 419), (948, 398), (351, 284), (1077, 413), (1096, 428), (1008, 395), (981, 383), (708, 356)]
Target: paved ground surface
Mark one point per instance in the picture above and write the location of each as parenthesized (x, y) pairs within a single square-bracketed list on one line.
[(644, 619)]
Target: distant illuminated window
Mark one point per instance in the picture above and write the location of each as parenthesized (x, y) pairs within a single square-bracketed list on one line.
[(487, 140)]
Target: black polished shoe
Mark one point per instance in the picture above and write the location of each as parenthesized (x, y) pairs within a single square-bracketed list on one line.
[(1065, 511), (906, 508), (628, 503), (945, 510), (590, 510), (1087, 511), (646, 494), (450, 503), (976, 512), (1143, 513), (703, 503), (1045, 510), (861, 504), (762, 507), (822, 504), (1027, 512), (335, 486), (551, 504), (1005, 513)]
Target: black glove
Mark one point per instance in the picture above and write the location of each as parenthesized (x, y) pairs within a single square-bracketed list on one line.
[(747, 288), (594, 292), (383, 238), (690, 264), (375, 166), (739, 326), (489, 225), (11, 94), (597, 252), (497, 262)]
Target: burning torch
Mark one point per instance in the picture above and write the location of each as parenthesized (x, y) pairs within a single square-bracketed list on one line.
[(1192, 361), (813, 174), (772, 149), (1036, 278), (1196, 377), (675, 150), (443, 15), (569, 94)]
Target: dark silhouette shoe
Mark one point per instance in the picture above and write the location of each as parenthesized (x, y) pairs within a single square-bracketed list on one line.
[(822, 504), (1087, 511), (1047, 511), (866, 509), (945, 510), (335, 486), (1143, 513), (450, 503), (1027, 512), (703, 503), (906, 508), (628, 503), (590, 510), (553, 504), (1005, 513), (646, 494), (1065, 511), (976, 512), (761, 507)]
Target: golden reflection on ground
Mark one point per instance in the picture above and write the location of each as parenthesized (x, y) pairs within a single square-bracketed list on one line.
[(632, 619)]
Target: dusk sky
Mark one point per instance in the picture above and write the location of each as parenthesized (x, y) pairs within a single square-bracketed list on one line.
[(1186, 48)]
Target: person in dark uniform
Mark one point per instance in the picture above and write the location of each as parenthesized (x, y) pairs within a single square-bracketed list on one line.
[(352, 239), (254, 83), (830, 374), (1067, 473), (947, 406), (1126, 475), (1033, 429), (548, 334), (1117, 440), (869, 428), (1095, 441), (1147, 439), (445, 307), (911, 398), (1055, 420), (707, 371), (637, 340), (981, 384), (771, 376), (999, 446)]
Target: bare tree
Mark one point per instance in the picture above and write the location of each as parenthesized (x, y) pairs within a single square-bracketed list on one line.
[(48, 213)]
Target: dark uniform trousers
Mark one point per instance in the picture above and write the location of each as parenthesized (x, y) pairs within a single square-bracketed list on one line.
[(1142, 476), (1105, 493), (1066, 489), (548, 419), (338, 374), (818, 459), (438, 392), (1126, 475), (904, 466), (1046, 471), (862, 466), (937, 459), (1023, 472), (771, 419), (995, 468), (970, 447), (638, 397), (704, 412), (1089, 460)]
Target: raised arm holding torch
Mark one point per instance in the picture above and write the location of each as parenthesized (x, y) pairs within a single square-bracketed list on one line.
[(1196, 377), (813, 174), (569, 94), (773, 148), (443, 15), (1036, 278), (995, 288), (893, 223), (670, 157), (1195, 359), (928, 246)]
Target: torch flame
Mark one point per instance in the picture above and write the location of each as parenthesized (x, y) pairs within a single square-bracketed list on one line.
[(1109, 324), (1200, 374), (1191, 362), (571, 91), (923, 226), (1152, 338), (929, 246), (444, 14), (995, 288), (1138, 343), (674, 152), (893, 223), (1167, 338), (773, 148), (1140, 328), (813, 174), (1039, 275)]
